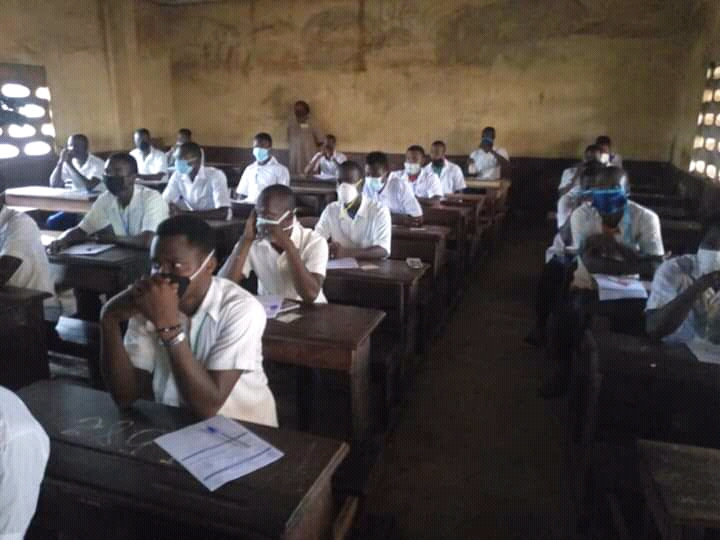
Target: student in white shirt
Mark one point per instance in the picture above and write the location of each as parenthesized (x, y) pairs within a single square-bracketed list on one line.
[(326, 163), (24, 453), (288, 259), (424, 183), (77, 168), (683, 304), (127, 214), (606, 154), (571, 187), (264, 172), (452, 179), (151, 161), (193, 340), (355, 225), (394, 192), (197, 188), (489, 162), (184, 135)]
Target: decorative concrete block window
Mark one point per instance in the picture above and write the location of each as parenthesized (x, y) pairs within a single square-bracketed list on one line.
[(26, 126)]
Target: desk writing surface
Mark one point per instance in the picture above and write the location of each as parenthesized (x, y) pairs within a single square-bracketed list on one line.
[(50, 199), (115, 257), (388, 270), (94, 444), (17, 295)]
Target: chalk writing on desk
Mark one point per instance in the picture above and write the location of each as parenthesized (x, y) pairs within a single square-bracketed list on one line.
[(121, 435)]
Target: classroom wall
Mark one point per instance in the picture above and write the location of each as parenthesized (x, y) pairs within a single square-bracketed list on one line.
[(549, 75)]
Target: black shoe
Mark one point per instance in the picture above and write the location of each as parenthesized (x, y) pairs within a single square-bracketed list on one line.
[(536, 338), (553, 389)]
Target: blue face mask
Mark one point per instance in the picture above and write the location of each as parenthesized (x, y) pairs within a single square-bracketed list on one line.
[(608, 201), (374, 184), (261, 154), (183, 166)]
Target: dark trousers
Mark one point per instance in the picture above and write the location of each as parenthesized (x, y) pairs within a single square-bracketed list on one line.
[(553, 288)]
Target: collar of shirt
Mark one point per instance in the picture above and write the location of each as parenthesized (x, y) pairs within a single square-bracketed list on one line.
[(272, 162), (362, 210), (211, 303), (200, 177)]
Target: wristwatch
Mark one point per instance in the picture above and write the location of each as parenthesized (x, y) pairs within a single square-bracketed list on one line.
[(169, 343)]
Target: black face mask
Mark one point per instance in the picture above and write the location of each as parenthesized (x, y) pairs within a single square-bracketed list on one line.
[(114, 184), (145, 146), (438, 162)]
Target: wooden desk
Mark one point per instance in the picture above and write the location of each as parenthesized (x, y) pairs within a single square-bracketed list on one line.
[(473, 183), (240, 209), (331, 337), (227, 233), (682, 487), (322, 193), (312, 181), (458, 220), (104, 467), (23, 353), (428, 243), (50, 199)]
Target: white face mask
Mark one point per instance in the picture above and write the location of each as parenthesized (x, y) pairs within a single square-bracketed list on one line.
[(412, 168), (347, 193), (708, 261), (262, 225), (605, 158)]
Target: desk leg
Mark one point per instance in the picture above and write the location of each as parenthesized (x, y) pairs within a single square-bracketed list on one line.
[(360, 391)]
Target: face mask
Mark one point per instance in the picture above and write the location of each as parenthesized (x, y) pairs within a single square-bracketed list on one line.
[(412, 168), (487, 141), (183, 166), (438, 163), (114, 184), (261, 154), (608, 201), (347, 193), (605, 158), (183, 282), (708, 261), (262, 225), (145, 146), (374, 183)]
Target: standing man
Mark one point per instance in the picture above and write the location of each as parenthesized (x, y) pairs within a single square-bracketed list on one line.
[(184, 135), (263, 172), (327, 161), (489, 162), (424, 183), (393, 192), (303, 138), (452, 179), (152, 162)]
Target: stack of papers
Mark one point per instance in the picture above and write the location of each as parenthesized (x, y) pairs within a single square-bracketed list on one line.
[(619, 287), (218, 450), (342, 264), (87, 248)]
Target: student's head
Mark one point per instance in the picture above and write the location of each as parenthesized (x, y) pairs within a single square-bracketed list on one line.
[(708, 255), (275, 206), (120, 173), (141, 137), (608, 196), (414, 159), (330, 143), (182, 251), (605, 144), (78, 145), (188, 158), (262, 147), (184, 135), (487, 139), (302, 110), (437, 153), (349, 182), (377, 170), (592, 154)]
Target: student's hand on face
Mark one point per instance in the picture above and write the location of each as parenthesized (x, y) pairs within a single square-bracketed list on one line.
[(120, 307), (250, 227), (157, 299), (279, 237), (65, 156)]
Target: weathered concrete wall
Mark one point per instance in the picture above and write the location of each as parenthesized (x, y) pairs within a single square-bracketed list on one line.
[(549, 74)]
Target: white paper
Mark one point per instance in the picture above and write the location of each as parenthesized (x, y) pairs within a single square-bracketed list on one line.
[(619, 287), (218, 450), (272, 304), (287, 318), (369, 267), (704, 350), (87, 248), (342, 264)]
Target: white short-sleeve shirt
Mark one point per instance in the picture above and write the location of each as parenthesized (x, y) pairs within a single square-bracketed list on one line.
[(257, 177), (426, 186), (397, 195), (273, 269), (24, 452), (208, 191), (146, 211), (371, 226), (94, 167), (154, 163), (330, 168), (451, 177), (486, 164), (225, 333)]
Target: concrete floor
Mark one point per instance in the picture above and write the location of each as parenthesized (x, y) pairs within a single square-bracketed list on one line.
[(476, 454)]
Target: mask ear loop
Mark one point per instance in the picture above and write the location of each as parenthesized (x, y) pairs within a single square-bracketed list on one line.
[(204, 263)]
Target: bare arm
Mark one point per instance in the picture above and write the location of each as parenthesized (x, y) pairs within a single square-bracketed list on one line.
[(370, 253), (56, 180), (89, 183), (406, 220), (314, 166), (69, 238), (307, 284), (233, 268)]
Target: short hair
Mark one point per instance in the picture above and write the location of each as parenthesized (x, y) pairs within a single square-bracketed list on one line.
[(377, 158), (439, 143), (142, 131), (603, 140), (126, 158), (197, 232), (185, 132), (303, 104), (352, 166), (592, 148), (416, 148), (489, 128), (331, 136), (191, 148), (82, 138), (279, 190), (608, 175), (262, 136)]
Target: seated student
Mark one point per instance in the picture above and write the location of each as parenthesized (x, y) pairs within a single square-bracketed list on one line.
[(127, 214), (355, 225), (192, 340), (327, 161), (24, 454), (488, 162), (606, 154), (452, 179), (683, 303), (264, 172), (392, 191), (571, 187), (288, 259), (424, 183), (151, 161), (197, 188), (184, 135)]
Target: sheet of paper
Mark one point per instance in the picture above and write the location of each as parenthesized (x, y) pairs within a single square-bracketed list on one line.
[(272, 304), (369, 267), (218, 450), (705, 351), (87, 248), (619, 287), (288, 317), (342, 264)]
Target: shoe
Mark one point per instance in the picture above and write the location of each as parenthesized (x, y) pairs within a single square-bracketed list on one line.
[(536, 338), (553, 389)]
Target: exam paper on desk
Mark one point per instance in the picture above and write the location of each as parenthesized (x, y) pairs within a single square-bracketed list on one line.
[(342, 264), (620, 287)]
